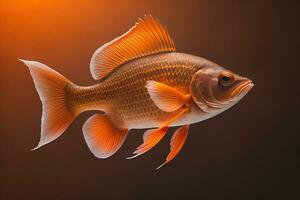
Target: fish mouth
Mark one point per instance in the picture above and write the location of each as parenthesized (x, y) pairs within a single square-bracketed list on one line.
[(242, 89)]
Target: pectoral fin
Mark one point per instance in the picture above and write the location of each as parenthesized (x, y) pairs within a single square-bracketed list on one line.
[(102, 136), (177, 141), (166, 97)]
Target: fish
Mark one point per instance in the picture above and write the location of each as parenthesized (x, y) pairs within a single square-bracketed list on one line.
[(142, 83)]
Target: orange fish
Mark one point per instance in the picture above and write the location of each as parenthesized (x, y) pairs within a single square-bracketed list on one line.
[(142, 83)]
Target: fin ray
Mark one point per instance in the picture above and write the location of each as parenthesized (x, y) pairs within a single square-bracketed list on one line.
[(50, 85), (153, 136), (147, 37), (102, 136), (166, 97), (177, 141), (150, 139)]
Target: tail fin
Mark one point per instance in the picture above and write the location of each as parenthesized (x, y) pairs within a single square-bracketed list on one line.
[(50, 85)]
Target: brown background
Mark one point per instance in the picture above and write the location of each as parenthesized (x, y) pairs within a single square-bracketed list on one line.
[(248, 152)]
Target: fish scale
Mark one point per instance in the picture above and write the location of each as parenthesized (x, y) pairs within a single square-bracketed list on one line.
[(124, 92)]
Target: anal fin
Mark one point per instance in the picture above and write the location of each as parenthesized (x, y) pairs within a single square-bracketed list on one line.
[(102, 136)]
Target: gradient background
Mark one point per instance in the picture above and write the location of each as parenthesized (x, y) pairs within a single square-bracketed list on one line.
[(248, 152)]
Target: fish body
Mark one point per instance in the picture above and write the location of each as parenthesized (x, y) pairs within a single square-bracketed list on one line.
[(124, 91), (142, 83)]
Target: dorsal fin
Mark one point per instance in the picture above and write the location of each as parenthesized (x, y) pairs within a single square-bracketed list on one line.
[(147, 37)]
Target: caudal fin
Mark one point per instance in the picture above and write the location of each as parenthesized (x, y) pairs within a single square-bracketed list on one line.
[(50, 85)]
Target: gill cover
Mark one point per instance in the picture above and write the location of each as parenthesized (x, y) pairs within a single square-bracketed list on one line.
[(215, 88), (201, 89)]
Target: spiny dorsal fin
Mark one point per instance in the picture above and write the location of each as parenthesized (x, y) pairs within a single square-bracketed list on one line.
[(147, 37)]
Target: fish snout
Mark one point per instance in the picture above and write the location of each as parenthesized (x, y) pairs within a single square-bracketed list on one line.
[(242, 88)]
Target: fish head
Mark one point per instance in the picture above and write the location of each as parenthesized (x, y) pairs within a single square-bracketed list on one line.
[(215, 89)]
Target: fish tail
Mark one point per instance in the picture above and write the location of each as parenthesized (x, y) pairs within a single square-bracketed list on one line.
[(51, 87)]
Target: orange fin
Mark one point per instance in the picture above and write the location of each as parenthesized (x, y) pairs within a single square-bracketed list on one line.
[(102, 136), (50, 85), (177, 141), (151, 138), (147, 37), (166, 97)]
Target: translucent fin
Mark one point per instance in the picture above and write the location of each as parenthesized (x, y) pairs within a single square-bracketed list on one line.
[(165, 97), (50, 85), (177, 142), (147, 37), (102, 136), (151, 138)]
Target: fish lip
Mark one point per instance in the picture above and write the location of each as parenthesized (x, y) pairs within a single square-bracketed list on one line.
[(246, 89), (242, 89)]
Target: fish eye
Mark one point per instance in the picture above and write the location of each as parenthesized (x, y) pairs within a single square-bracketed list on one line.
[(226, 79)]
